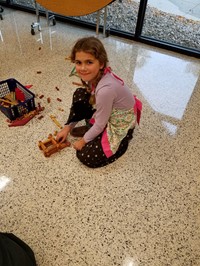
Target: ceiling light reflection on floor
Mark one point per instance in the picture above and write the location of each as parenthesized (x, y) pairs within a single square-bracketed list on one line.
[(4, 180), (130, 262), (1, 36), (171, 129)]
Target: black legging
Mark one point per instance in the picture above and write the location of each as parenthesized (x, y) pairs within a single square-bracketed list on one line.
[(81, 108)]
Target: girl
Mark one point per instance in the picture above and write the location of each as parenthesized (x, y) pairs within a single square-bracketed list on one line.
[(106, 104)]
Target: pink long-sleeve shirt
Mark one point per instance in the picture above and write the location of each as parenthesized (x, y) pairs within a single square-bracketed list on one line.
[(110, 93)]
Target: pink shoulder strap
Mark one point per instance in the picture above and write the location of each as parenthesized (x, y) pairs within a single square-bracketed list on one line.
[(108, 70)]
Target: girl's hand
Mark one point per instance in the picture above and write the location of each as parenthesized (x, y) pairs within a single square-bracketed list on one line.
[(62, 135), (78, 145)]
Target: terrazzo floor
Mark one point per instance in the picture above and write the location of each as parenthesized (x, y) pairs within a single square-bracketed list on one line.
[(142, 210)]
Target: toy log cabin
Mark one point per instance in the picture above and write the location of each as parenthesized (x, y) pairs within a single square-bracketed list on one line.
[(51, 146)]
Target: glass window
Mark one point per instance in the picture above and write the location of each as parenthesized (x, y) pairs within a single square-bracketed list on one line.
[(122, 15), (173, 21), (27, 3)]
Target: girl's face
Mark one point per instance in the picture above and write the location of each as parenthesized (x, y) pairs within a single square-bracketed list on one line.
[(87, 66)]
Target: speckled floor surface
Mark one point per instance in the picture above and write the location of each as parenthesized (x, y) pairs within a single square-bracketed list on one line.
[(142, 210)]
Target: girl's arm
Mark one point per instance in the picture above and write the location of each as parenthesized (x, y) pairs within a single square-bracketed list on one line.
[(104, 103)]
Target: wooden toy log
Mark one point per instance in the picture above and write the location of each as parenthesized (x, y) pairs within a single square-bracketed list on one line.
[(8, 101), (53, 118), (42, 145)]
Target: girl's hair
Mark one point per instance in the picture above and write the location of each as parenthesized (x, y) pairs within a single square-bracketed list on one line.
[(93, 46)]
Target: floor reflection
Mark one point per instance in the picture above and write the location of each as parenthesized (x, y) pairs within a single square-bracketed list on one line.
[(129, 261), (167, 83), (170, 127), (4, 180), (1, 36)]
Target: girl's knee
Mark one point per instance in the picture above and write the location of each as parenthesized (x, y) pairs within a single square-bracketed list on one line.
[(80, 94), (84, 159)]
